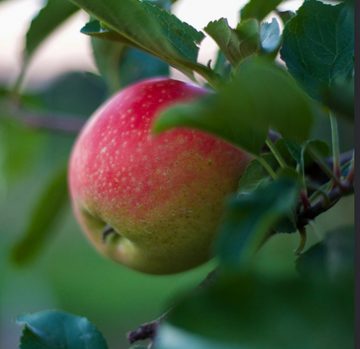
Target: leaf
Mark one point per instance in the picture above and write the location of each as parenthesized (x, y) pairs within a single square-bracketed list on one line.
[(261, 95), (256, 312), (121, 66), (46, 212), (258, 9), (331, 259), (56, 329), (340, 98), (256, 175), (270, 36), (160, 33), (182, 36), (318, 46), (236, 44), (53, 14), (249, 218), (320, 148)]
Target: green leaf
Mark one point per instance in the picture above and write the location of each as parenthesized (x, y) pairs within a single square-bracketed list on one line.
[(46, 212), (258, 9), (270, 36), (53, 14), (55, 329), (318, 46), (253, 312), (261, 95), (295, 149), (236, 44), (340, 98), (256, 175), (160, 33), (331, 259), (121, 66), (249, 218), (181, 35), (320, 148)]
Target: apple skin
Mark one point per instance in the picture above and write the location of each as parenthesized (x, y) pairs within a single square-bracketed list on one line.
[(163, 194)]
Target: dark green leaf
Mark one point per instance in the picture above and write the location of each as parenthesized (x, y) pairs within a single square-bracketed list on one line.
[(261, 95), (181, 35), (295, 149), (340, 98), (121, 66), (46, 212), (258, 9), (270, 36), (331, 259), (222, 66), (256, 175), (320, 148), (252, 312), (75, 93), (249, 218), (55, 329), (160, 33), (285, 15), (54, 13), (236, 44), (318, 46)]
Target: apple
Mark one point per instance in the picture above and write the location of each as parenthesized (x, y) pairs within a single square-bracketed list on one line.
[(152, 203)]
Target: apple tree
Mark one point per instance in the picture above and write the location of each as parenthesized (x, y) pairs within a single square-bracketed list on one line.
[(279, 92)]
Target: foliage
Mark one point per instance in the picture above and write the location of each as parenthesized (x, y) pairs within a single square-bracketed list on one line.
[(270, 88)]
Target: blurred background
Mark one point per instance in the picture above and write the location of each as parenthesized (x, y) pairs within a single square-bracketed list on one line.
[(69, 274)]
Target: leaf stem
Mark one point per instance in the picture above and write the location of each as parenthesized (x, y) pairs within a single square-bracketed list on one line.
[(275, 152), (324, 167), (302, 242), (351, 175), (335, 145), (267, 166)]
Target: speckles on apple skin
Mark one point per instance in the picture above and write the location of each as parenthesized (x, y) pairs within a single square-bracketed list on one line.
[(163, 194)]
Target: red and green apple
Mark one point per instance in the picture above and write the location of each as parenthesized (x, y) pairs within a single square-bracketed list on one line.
[(161, 196)]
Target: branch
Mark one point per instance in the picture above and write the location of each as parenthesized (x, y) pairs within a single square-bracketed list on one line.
[(148, 330), (322, 206), (64, 123)]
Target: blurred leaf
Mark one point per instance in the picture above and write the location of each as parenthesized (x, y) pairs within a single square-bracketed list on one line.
[(249, 218), (270, 36), (236, 44), (285, 15), (258, 9), (46, 212), (53, 14), (320, 148), (261, 95), (79, 93), (122, 66), (252, 312), (331, 259), (295, 149), (160, 33), (20, 148), (256, 175), (318, 46), (138, 347), (222, 66), (340, 97), (56, 329)]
